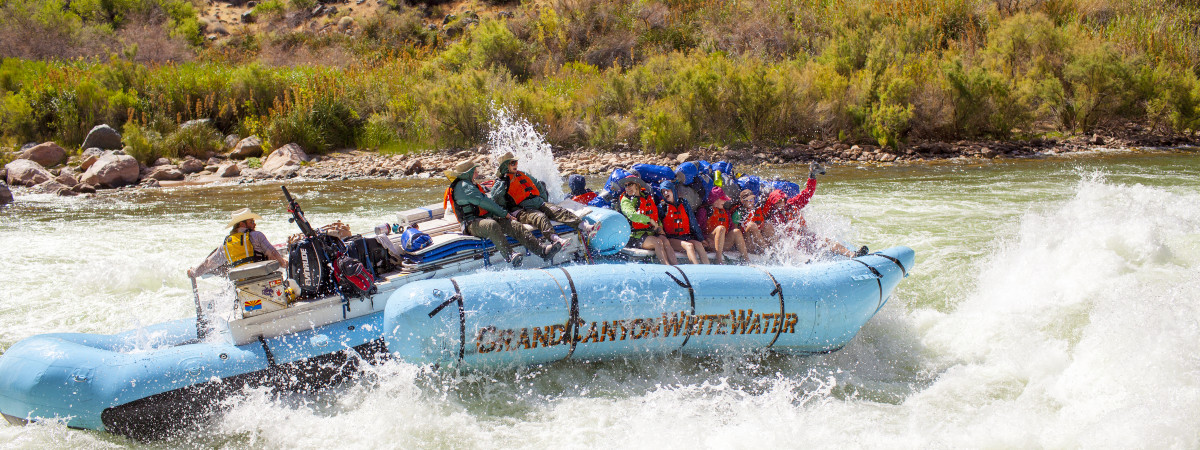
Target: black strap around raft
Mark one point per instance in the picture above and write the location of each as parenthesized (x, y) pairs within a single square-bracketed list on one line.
[(573, 320), (878, 278), (889, 258), (778, 291), (267, 350), (691, 296), (462, 318)]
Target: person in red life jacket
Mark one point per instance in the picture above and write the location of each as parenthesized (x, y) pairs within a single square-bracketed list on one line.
[(679, 224), (638, 206), (243, 245), (749, 217), (579, 191), (482, 217), (525, 198), (782, 210), (721, 233)]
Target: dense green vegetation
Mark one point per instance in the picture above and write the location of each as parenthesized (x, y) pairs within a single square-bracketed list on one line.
[(663, 76)]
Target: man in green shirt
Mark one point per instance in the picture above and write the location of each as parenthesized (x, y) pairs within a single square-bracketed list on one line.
[(482, 217)]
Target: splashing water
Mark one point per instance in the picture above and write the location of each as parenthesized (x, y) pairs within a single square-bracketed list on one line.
[(515, 134)]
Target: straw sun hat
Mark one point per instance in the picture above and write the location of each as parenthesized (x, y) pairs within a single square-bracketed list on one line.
[(240, 215), (460, 169)]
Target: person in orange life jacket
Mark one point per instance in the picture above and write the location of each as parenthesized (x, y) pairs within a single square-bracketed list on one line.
[(638, 206), (525, 198), (243, 245), (579, 191), (679, 224), (749, 218), (482, 217), (722, 235)]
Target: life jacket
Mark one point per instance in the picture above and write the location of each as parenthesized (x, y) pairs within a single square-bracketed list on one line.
[(645, 206), (521, 187), (675, 220), (239, 250), (718, 217), (584, 198), (464, 211)]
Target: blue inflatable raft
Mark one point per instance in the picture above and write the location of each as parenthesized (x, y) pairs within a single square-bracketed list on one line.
[(151, 381)]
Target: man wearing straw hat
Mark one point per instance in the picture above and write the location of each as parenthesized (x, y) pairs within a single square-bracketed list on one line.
[(525, 197), (482, 217), (243, 245)]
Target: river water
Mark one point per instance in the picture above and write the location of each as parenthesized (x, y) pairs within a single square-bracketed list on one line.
[(1055, 303)]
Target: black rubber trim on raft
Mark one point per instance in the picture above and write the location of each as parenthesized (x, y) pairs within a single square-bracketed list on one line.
[(462, 318), (903, 271), (168, 413), (878, 281), (267, 350), (573, 320), (778, 291), (691, 296)]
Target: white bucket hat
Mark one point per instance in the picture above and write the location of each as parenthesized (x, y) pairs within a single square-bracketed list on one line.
[(238, 216)]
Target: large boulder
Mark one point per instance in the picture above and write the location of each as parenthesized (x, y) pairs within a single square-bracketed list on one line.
[(67, 178), (228, 170), (112, 171), (6, 196), (191, 165), (23, 172), (285, 160), (103, 137), (53, 187), (48, 154), (250, 147), (166, 173)]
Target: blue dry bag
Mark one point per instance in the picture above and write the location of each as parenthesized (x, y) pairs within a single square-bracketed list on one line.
[(413, 240)]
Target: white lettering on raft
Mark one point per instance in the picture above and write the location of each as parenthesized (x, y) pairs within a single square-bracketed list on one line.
[(743, 321)]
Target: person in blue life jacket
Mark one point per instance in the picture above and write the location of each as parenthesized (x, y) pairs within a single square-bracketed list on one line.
[(679, 224), (243, 245), (525, 198), (638, 206), (481, 217)]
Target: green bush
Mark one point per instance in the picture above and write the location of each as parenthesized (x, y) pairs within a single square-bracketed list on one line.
[(664, 128), (142, 143), (196, 139)]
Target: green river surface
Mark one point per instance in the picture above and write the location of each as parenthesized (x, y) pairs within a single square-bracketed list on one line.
[(1055, 303)]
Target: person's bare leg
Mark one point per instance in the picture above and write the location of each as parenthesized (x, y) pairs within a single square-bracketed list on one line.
[(755, 241), (718, 242), (740, 241), (661, 251)]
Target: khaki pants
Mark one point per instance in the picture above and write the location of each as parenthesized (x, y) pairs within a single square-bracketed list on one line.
[(542, 216), (495, 230)]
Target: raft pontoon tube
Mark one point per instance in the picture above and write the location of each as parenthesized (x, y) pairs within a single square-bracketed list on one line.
[(613, 310)]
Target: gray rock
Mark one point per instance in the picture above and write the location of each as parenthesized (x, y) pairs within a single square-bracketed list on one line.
[(160, 162), (191, 165), (6, 196), (67, 179), (53, 187), (213, 161), (211, 168), (228, 170), (166, 173), (23, 172), (684, 157), (413, 167), (84, 188), (250, 147), (288, 155), (149, 183), (48, 154), (103, 137), (112, 171), (231, 141)]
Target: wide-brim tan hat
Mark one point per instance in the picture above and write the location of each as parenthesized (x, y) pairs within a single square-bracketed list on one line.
[(461, 168), (240, 215), (506, 157), (632, 179)]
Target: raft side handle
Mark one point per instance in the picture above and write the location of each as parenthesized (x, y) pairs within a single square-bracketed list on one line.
[(462, 317), (778, 291), (686, 283), (897, 261)]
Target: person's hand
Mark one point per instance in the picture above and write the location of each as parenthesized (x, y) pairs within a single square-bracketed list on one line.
[(511, 216), (814, 169)]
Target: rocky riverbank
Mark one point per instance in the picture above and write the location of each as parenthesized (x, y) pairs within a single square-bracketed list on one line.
[(48, 168)]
